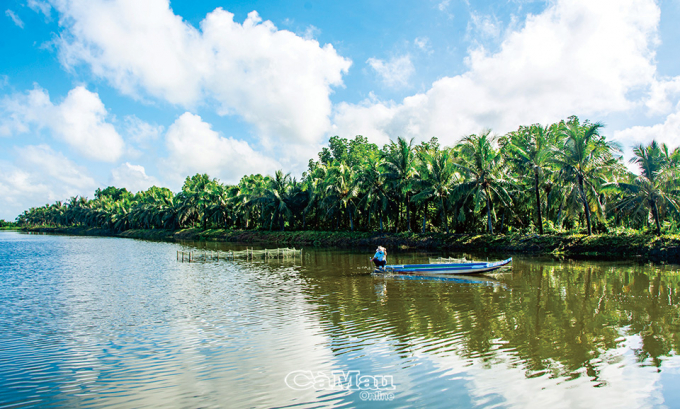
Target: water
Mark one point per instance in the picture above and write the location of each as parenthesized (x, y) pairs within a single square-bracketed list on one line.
[(98, 322)]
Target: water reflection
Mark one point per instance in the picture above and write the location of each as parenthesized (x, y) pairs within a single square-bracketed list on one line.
[(100, 322), (588, 324)]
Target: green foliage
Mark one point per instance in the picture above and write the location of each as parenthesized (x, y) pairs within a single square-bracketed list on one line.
[(562, 178), (7, 225), (113, 193)]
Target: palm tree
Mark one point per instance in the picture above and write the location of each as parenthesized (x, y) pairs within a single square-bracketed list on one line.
[(436, 181), (313, 188), (342, 189), (400, 162), (530, 149), (583, 160), (196, 197), (657, 186), (277, 198), (373, 181), (485, 174)]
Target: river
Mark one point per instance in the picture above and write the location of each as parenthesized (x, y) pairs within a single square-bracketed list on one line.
[(99, 322)]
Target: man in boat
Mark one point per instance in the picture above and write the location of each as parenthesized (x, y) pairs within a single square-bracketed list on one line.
[(380, 257)]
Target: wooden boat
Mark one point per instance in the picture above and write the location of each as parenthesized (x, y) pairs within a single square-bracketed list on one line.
[(451, 268)]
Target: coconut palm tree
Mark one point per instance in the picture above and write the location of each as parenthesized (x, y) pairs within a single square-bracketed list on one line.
[(583, 160), (530, 150), (277, 198), (436, 181), (342, 189), (400, 161), (485, 174), (373, 182), (657, 185)]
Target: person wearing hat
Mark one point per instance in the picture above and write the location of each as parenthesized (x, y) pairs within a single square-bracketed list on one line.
[(380, 257)]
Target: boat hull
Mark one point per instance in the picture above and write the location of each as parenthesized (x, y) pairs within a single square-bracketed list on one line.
[(439, 269)]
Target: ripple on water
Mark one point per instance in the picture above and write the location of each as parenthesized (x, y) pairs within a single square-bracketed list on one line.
[(98, 322)]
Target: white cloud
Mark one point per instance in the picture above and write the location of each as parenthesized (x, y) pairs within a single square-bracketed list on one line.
[(40, 7), (80, 121), (484, 26), (39, 176), (54, 165), (443, 5), (277, 81), (667, 132), (577, 57), (132, 177), (17, 21), (661, 94), (423, 43), (141, 132), (195, 148), (311, 32), (394, 73)]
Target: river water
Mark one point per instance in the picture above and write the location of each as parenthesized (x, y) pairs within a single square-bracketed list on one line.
[(99, 322)]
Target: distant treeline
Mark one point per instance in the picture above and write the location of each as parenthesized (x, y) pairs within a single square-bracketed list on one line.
[(557, 178), (7, 225)]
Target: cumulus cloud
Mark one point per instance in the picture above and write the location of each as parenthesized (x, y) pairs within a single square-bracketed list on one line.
[(38, 176), (394, 73), (132, 177), (79, 120), (194, 147), (277, 81), (577, 57), (667, 132), (661, 95), (17, 21)]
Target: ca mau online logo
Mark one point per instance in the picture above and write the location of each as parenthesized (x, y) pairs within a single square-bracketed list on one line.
[(339, 381)]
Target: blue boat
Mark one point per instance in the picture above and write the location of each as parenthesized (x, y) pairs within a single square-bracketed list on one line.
[(453, 268)]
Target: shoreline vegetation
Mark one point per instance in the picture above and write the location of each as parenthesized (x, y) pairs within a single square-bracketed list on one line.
[(635, 247), (560, 189)]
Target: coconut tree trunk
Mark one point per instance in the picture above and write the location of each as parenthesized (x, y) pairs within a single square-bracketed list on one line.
[(489, 224), (655, 210), (396, 225), (424, 218), (408, 214), (381, 223), (502, 222), (444, 216), (586, 208), (538, 202), (351, 220)]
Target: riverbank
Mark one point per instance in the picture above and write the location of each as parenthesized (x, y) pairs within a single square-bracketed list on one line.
[(664, 249)]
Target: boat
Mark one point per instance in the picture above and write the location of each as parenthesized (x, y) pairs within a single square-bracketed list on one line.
[(450, 268)]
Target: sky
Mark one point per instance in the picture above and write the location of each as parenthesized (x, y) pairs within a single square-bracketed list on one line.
[(134, 93)]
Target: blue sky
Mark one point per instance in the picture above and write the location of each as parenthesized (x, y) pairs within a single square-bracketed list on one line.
[(101, 92)]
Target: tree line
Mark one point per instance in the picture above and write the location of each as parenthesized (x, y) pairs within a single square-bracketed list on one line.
[(564, 177)]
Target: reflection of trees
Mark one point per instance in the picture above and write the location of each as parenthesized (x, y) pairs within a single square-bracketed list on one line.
[(559, 319), (652, 307)]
